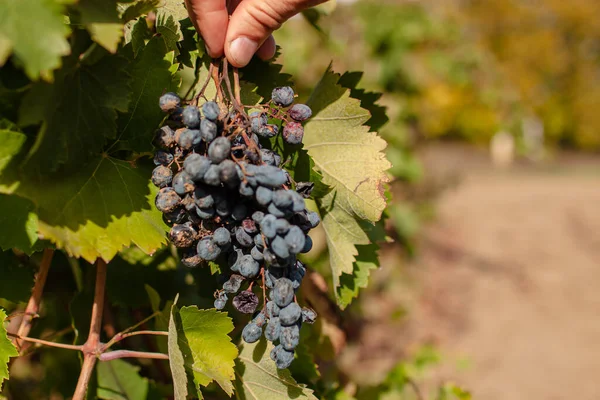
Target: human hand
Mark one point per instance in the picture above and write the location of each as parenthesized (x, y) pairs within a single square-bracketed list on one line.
[(247, 31)]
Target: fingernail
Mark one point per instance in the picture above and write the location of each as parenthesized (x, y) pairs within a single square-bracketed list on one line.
[(242, 49)]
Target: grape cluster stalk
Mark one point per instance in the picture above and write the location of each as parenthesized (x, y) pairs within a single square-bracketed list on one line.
[(226, 196)]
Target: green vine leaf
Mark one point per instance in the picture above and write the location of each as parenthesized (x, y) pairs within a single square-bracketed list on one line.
[(200, 350), (97, 211), (19, 223), (16, 279), (78, 112), (138, 8), (257, 377), (353, 168), (20, 36), (119, 380), (7, 350), (152, 74), (102, 21)]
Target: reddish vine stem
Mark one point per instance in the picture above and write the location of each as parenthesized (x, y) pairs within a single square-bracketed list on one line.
[(113, 355), (215, 77), (46, 342), (92, 344), (33, 306), (236, 85)]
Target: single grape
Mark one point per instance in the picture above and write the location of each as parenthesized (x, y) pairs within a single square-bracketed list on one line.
[(176, 216), (208, 249), (182, 235), (251, 333), (257, 121), (182, 183), (289, 336), (249, 268), (267, 226), (212, 176), (245, 302), (268, 157), (191, 117), (273, 329), (164, 137), (249, 226), (300, 112), (211, 110), (308, 244), (191, 259), (163, 158), (246, 190), (257, 254), (293, 132), (188, 139), (234, 258), (280, 247), (228, 174), (202, 197), (273, 309), (243, 238), (205, 213), (282, 226), (239, 212), (259, 242), (169, 101), (290, 315), (270, 258), (283, 292), (219, 149), (208, 130), (268, 131), (295, 239), (273, 353), (283, 358), (221, 301), (176, 115), (196, 166), (313, 218), (283, 198), (309, 315), (162, 176), (221, 236), (233, 284), (263, 195), (223, 208), (268, 175), (298, 203), (167, 199), (258, 216), (260, 319), (283, 96)]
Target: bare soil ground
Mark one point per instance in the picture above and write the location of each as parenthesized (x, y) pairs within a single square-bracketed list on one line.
[(506, 283)]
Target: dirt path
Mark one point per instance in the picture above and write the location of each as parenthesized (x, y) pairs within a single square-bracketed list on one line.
[(507, 284)]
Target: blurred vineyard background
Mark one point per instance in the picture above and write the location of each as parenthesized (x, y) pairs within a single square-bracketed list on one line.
[(493, 132)]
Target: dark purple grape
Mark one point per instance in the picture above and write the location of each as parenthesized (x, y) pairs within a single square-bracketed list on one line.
[(167, 200), (196, 166), (267, 226), (176, 216), (264, 195), (228, 173), (308, 244), (188, 138), (234, 283), (280, 247), (245, 302), (248, 266), (293, 132), (222, 237), (219, 149), (169, 101), (304, 189), (289, 338), (191, 117), (295, 240), (213, 175), (182, 235), (163, 158), (309, 315), (257, 121), (251, 333), (290, 315), (191, 259), (268, 175), (283, 292), (208, 130), (273, 329), (211, 110), (182, 183), (208, 249), (162, 176), (282, 198), (283, 357), (300, 112), (283, 96), (164, 137), (268, 131)]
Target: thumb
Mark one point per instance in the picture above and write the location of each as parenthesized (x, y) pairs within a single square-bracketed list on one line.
[(252, 23)]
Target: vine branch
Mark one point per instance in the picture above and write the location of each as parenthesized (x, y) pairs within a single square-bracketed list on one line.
[(33, 306), (113, 355)]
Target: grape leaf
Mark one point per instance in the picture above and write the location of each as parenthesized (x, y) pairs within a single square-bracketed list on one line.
[(78, 112), (353, 167), (138, 8), (259, 379), (37, 34), (7, 350), (99, 209), (152, 72), (368, 100), (18, 223), (168, 17), (265, 75), (16, 280), (119, 380), (102, 21), (200, 350)]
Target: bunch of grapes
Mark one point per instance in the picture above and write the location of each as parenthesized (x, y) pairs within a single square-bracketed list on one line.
[(225, 195)]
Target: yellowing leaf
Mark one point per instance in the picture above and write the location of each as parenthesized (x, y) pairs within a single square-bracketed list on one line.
[(259, 379), (102, 21), (7, 350), (353, 167)]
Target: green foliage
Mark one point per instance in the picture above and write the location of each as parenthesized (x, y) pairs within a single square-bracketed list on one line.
[(7, 350), (259, 379), (200, 351), (119, 380), (338, 143), (15, 286)]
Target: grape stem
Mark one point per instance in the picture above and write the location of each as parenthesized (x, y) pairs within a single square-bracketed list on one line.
[(215, 76), (113, 355)]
